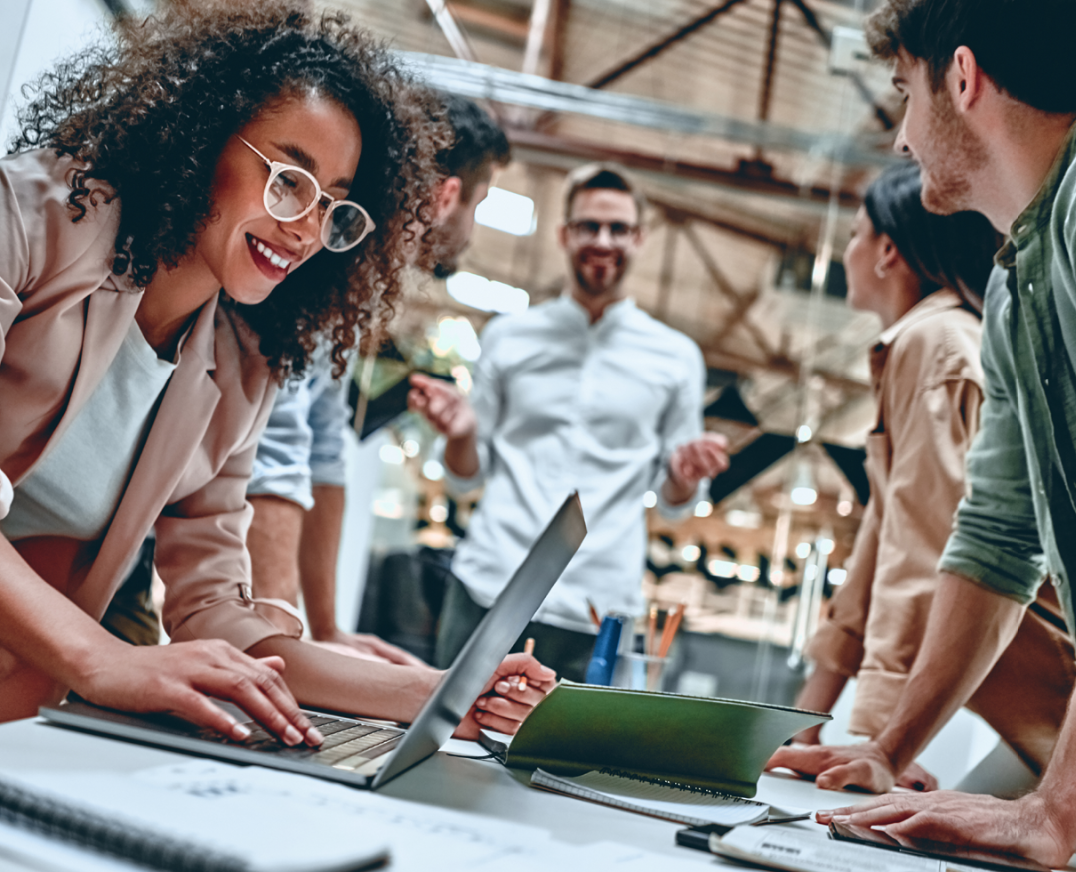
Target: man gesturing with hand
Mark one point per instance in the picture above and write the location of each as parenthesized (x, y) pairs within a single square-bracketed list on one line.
[(583, 392)]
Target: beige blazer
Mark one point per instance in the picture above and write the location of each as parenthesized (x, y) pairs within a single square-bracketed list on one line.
[(63, 317), (928, 381)]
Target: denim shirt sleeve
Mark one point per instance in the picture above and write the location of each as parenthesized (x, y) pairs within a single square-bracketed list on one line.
[(682, 422), (328, 419), (995, 540), (282, 462)]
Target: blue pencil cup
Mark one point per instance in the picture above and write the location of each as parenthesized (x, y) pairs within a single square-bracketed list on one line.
[(603, 660)]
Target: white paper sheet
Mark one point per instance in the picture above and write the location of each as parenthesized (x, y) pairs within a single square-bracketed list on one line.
[(799, 851)]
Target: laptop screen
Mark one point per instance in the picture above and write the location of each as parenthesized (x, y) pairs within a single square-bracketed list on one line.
[(491, 640)]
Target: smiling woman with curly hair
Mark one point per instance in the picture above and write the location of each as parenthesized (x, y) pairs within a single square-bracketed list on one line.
[(185, 215)]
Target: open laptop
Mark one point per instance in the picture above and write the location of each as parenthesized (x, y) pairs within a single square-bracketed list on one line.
[(359, 752)]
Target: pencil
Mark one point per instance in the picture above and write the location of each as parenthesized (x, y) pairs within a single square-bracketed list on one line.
[(672, 624), (665, 641), (528, 648), (594, 618)]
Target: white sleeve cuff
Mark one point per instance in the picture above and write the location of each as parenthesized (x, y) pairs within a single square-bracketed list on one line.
[(680, 510), (7, 494)]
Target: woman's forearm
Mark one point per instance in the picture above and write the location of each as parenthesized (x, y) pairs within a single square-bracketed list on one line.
[(325, 679), (43, 628)]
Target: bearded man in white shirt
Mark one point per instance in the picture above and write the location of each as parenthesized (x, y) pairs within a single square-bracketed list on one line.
[(583, 392)]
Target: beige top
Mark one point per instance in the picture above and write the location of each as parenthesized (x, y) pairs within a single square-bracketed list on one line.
[(928, 381)]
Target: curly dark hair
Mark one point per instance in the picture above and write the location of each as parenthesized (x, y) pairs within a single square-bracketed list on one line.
[(150, 113)]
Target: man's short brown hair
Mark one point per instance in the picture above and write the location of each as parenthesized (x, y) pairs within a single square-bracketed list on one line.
[(601, 177), (1024, 46)]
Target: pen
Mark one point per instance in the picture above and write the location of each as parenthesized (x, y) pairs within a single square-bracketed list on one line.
[(784, 820), (528, 648)]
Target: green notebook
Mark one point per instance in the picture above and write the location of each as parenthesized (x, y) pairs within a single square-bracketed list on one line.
[(715, 744)]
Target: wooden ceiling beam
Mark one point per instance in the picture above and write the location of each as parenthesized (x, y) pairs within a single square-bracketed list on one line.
[(779, 238), (536, 37), (861, 86), (445, 19), (661, 45), (745, 178), (511, 29), (558, 38), (765, 97), (722, 359)]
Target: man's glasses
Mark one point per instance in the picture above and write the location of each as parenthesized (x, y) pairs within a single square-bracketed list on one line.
[(291, 193), (588, 231)]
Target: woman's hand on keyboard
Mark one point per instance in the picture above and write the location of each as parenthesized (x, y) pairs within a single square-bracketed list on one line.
[(503, 705), (179, 678)]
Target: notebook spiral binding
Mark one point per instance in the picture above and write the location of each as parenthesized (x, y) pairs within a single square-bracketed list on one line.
[(676, 785), (68, 822)]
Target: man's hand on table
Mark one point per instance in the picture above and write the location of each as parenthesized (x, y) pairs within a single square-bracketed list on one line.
[(505, 708), (1029, 827), (863, 766)]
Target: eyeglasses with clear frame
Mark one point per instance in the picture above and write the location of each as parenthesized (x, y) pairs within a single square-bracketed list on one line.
[(292, 193), (586, 231)]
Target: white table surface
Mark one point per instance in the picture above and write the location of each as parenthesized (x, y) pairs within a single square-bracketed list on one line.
[(482, 788)]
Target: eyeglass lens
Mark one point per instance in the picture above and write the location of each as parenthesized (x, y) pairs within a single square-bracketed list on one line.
[(291, 193), (592, 229), (346, 225)]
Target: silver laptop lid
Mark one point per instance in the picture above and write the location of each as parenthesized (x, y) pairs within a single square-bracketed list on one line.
[(491, 641)]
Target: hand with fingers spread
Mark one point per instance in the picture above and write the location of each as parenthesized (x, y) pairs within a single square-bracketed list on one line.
[(1031, 826), (442, 404), (179, 678), (835, 767), (693, 461), (505, 709)]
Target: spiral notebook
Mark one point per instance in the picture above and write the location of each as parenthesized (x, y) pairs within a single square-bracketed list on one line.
[(185, 831), (680, 803)]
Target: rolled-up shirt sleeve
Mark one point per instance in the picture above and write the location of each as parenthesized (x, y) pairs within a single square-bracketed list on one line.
[(201, 555), (995, 540), (282, 464), (837, 644), (328, 420)]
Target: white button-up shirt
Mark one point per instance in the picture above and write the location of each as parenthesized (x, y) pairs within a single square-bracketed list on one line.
[(562, 405)]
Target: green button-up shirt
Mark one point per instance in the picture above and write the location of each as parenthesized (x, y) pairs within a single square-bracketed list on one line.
[(1018, 521)]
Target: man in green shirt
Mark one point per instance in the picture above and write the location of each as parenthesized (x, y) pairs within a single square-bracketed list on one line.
[(991, 104)]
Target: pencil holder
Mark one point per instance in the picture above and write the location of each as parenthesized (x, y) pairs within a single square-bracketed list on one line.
[(603, 660), (637, 671)]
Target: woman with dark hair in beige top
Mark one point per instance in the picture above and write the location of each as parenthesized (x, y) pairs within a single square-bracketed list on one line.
[(924, 275)]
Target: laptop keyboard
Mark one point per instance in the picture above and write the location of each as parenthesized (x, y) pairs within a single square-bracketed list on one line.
[(348, 745)]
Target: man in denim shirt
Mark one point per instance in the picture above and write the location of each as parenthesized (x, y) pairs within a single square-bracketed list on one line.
[(990, 113), (297, 488)]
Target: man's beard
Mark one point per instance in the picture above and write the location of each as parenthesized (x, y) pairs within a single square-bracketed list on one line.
[(957, 153), (596, 289), (446, 248)]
